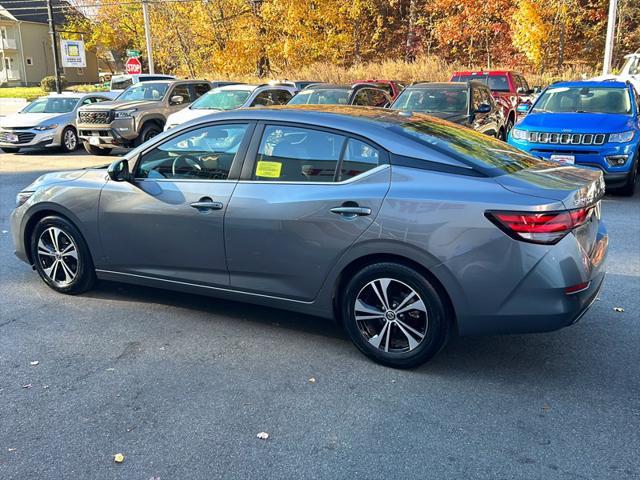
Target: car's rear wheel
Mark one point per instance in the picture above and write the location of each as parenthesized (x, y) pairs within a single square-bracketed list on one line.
[(508, 127), (394, 315), (69, 140), (61, 256), (93, 150), (10, 150)]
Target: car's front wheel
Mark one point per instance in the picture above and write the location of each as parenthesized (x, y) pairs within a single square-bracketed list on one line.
[(93, 150), (69, 140), (61, 256), (394, 315)]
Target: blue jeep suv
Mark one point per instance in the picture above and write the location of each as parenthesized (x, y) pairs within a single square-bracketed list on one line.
[(586, 123)]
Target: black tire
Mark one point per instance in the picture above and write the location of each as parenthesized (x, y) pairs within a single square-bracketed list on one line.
[(69, 144), (84, 272), (502, 135), (436, 327), (629, 187), (93, 150), (148, 131), (508, 127), (10, 149)]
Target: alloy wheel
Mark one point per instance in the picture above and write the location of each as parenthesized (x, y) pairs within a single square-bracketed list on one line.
[(391, 315), (58, 256), (70, 140)]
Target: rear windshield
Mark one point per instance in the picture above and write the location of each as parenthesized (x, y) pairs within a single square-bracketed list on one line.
[(584, 100), (324, 96), (497, 83), (121, 83), (441, 99), (488, 155), (221, 99)]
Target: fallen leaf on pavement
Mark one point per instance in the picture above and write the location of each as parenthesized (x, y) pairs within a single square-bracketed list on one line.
[(12, 449), (118, 458), (263, 435), (618, 309), (546, 407), (312, 380), (34, 363), (28, 385)]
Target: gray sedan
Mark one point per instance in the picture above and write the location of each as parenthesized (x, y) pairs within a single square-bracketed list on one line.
[(401, 226), (48, 122)]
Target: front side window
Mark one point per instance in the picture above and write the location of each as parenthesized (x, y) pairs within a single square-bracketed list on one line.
[(292, 154), (584, 100), (203, 154), (362, 97), (263, 99), (281, 97), (377, 98), (144, 91), (200, 89), (51, 105), (182, 91)]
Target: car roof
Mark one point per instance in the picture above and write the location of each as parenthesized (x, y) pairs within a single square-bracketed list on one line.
[(486, 72), (460, 85), (591, 83), (238, 86)]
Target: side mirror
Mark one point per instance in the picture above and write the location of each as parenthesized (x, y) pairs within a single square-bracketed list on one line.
[(176, 100), (118, 171), (523, 107), (483, 108)]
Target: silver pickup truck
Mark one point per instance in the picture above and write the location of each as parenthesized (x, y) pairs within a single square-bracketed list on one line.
[(138, 114)]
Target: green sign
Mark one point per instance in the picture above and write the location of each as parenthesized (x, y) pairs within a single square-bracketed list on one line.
[(133, 53)]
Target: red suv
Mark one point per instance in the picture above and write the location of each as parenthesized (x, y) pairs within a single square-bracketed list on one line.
[(507, 87)]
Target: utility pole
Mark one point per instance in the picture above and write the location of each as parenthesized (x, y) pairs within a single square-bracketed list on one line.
[(54, 45), (147, 34), (611, 29)]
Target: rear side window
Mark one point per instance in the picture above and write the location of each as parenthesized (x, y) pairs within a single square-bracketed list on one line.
[(200, 89), (358, 158), (294, 154), (183, 91)]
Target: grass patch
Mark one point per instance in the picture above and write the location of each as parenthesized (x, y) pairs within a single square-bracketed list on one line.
[(30, 93)]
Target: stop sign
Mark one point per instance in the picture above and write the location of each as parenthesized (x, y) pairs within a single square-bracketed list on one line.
[(133, 66)]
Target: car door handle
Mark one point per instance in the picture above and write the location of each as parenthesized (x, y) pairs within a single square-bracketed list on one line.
[(351, 211), (205, 205)]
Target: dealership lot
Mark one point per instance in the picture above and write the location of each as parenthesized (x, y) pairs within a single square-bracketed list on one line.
[(182, 384)]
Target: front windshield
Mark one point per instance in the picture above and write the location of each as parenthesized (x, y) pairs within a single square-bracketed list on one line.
[(51, 105), (496, 83), (144, 91), (221, 99), (584, 100), (321, 97), (445, 99)]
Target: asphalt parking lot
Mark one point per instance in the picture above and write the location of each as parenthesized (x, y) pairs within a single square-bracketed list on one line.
[(181, 384)]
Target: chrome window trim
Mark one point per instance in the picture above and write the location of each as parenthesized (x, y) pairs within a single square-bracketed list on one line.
[(379, 168)]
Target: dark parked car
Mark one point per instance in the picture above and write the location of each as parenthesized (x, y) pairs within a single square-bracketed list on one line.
[(402, 226), (469, 104), (364, 94), (392, 87), (509, 89)]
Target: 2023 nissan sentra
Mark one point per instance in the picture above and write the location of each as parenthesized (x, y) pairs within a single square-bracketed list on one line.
[(400, 225)]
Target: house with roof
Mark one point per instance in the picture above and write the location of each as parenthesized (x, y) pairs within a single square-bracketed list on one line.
[(26, 55)]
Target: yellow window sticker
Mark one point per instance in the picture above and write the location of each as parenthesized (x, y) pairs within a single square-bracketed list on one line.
[(268, 169)]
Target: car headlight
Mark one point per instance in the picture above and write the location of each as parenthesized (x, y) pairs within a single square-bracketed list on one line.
[(42, 128), (519, 134), (125, 113), (22, 198), (623, 137)]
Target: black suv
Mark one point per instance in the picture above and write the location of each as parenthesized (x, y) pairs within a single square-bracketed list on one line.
[(466, 103), (365, 94)]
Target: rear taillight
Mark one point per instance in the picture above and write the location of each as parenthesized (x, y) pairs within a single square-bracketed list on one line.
[(546, 228)]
